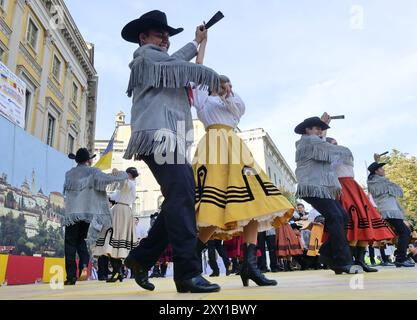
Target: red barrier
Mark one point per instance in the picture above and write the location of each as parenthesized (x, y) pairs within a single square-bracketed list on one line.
[(24, 270)]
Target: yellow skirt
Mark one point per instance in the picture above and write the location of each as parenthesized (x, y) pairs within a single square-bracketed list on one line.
[(315, 240), (232, 189)]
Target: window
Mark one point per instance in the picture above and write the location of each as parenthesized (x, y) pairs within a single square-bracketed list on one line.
[(74, 93), (275, 178), (56, 68), (32, 35), (51, 129), (269, 172), (70, 146)]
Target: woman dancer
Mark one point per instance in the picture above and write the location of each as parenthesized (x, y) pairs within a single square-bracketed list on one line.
[(233, 194), (365, 224), (117, 241)]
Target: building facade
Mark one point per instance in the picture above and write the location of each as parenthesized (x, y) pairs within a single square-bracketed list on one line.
[(149, 197), (41, 44)]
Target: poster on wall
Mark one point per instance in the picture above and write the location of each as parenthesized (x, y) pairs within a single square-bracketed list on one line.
[(12, 96)]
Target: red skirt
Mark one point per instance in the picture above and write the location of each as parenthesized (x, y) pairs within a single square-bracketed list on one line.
[(288, 244), (167, 255), (234, 247), (365, 222)]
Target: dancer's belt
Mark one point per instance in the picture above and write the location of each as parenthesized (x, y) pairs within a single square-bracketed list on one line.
[(123, 204)]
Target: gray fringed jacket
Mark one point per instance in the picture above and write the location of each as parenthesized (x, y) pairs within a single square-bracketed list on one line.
[(385, 193), (86, 199), (160, 101), (315, 174)]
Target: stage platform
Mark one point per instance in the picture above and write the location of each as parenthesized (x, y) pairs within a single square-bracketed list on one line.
[(388, 283)]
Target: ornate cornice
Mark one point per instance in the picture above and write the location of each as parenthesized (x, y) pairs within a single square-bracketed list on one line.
[(4, 27), (55, 90), (73, 37), (22, 69), (29, 58)]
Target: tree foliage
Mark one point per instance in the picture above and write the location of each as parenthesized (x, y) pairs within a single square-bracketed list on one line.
[(48, 242), (402, 169)]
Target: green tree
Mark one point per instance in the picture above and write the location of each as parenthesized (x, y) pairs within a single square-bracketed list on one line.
[(402, 169), (11, 229)]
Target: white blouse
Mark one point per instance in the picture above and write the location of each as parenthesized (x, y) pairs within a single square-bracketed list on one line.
[(214, 110), (126, 194), (344, 171)]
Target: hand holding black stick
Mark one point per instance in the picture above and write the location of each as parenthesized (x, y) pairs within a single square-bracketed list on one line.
[(201, 52)]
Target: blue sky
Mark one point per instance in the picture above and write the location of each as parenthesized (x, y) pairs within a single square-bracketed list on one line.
[(288, 60)]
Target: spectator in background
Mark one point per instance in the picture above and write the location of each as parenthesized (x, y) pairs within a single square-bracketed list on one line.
[(412, 249), (213, 246), (268, 237), (141, 230), (300, 213)]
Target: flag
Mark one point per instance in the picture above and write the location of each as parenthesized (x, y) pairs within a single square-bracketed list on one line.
[(105, 161)]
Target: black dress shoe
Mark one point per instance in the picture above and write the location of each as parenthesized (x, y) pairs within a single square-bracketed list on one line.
[(406, 264), (349, 269), (141, 275), (196, 285), (70, 282), (215, 274)]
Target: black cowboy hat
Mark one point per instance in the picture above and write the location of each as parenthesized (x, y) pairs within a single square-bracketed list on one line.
[(375, 166), (152, 19), (133, 171), (82, 156), (309, 123)]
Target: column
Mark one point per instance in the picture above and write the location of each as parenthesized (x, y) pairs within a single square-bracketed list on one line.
[(41, 107), (83, 134), (15, 36), (63, 125)]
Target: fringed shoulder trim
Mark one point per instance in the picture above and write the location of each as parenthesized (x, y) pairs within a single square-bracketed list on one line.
[(169, 74), (312, 147), (380, 185)]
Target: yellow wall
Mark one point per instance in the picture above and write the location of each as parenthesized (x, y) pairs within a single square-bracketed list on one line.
[(49, 271), (11, 6), (80, 92), (3, 267), (4, 39), (60, 84), (38, 55)]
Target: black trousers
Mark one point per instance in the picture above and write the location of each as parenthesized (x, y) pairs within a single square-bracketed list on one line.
[(271, 243), (404, 235), (214, 245), (103, 267), (336, 248), (75, 236), (176, 223)]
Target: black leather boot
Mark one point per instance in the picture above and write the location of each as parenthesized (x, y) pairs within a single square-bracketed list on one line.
[(141, 274), (360, 260), (249, 268)]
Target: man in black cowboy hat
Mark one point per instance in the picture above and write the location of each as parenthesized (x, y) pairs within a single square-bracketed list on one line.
[(385, 193), (319, 186), (161, 126), (86, 210)]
